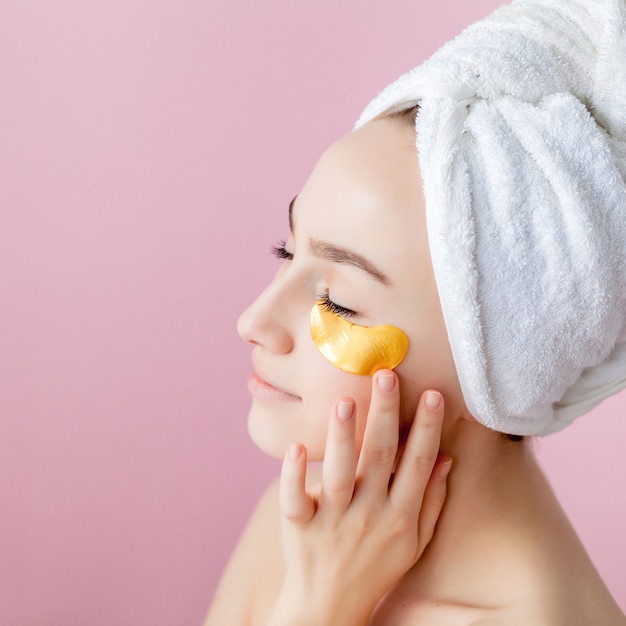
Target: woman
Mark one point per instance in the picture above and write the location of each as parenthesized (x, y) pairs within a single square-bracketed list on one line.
[(499, 254)]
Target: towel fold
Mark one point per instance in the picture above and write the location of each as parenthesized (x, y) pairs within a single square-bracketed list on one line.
[(521, 135)]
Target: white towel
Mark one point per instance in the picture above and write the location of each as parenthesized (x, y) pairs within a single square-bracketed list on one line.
[(521, 137)]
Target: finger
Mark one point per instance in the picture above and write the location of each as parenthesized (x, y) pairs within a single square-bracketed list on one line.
[(419, 455), (433, 501), (380, 442), (339, 468), (296, 504)]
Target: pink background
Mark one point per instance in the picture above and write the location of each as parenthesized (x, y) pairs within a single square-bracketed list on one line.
[(148, 151)]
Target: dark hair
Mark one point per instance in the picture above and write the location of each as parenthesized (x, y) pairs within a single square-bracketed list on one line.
[(406, 116)]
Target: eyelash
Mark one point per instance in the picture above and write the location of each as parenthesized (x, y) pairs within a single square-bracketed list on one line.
[(280, 251), (335, 308)]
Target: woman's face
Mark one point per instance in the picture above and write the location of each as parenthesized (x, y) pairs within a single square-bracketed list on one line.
[(358, 235)]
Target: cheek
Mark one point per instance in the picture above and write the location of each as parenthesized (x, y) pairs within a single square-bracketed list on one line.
[(411, 389), (428, 365), (327, 386)]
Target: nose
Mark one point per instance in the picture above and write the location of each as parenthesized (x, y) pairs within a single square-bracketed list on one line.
[(265, 323)]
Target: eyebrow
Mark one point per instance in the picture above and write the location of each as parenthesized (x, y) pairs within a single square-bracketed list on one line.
[(291, 213), (341, 255)]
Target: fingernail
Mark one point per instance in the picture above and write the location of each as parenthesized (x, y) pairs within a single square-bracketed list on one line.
[(344, 411), (294, 451), (433, 400), (444, 469), (386, 382)]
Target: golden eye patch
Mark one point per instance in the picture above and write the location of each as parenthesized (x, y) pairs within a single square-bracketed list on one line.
[(353, 348)]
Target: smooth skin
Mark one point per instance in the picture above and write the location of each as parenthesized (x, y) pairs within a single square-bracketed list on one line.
[(329, 575), (354, 550), (332, 532)]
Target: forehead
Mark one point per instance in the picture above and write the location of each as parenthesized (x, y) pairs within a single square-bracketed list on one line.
[(374, 163), (365, 193)]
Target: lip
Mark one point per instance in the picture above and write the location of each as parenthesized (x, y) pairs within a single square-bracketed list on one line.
[(262, 390)]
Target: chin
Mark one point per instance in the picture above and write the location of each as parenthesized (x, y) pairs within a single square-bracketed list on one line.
[(273, 438), (265, 438)]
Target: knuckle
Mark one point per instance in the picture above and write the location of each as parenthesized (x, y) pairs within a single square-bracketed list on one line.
[(297, 512), (422, 463), (338, 484), (360, 528), (404, 531), (385, 402), (385, 409), (403, 525), (436, 498), (380, 455), (296, 517)]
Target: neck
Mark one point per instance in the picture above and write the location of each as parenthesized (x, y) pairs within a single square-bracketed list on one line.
[(494, 491), (502, 541)]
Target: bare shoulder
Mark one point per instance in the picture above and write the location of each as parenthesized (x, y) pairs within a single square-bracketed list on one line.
[(254, 573), (561, 602), (542, 617), (575, 603), (533, 583), (535, 614)]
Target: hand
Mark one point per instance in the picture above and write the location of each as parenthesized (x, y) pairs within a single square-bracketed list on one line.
[(348, 544)]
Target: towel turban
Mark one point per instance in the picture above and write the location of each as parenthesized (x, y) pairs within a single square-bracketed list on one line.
[(521, 135)]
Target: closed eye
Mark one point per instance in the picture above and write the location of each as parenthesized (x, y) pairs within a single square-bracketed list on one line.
[(280, 251), (325, 301)]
